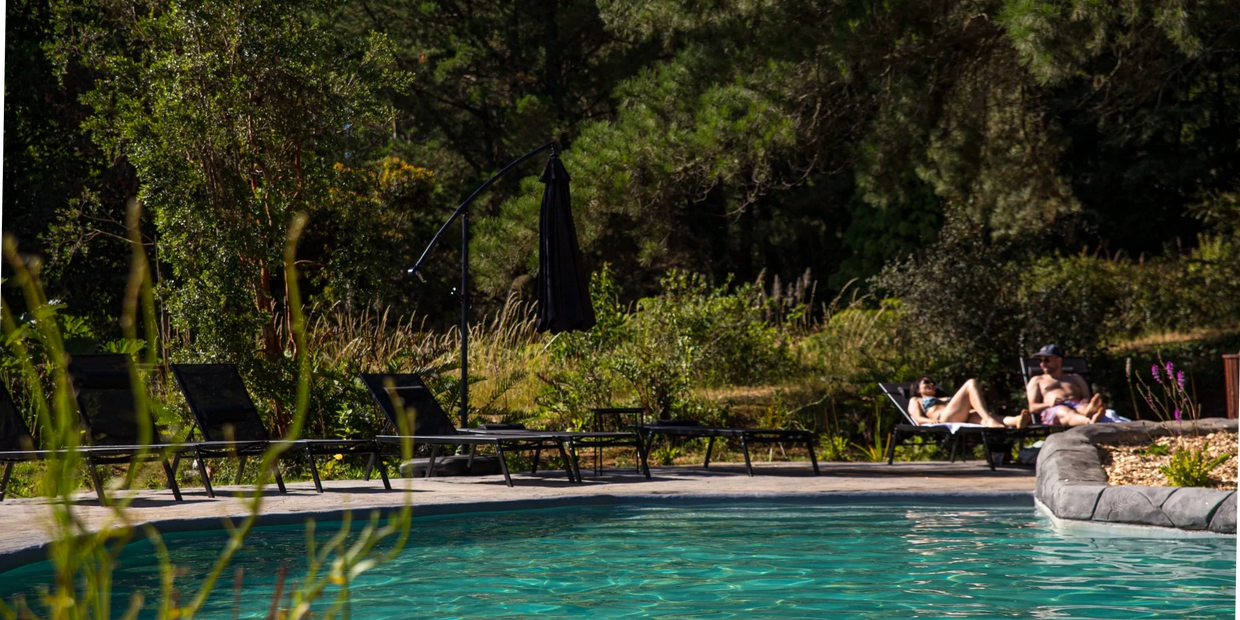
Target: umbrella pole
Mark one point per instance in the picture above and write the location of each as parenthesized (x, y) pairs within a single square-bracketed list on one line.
[(463, 213), (465, 319)]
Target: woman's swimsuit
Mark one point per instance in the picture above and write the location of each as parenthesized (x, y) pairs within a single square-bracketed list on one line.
[(930, 401)]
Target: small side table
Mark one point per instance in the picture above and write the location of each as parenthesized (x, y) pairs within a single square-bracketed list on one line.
[(606, 419)]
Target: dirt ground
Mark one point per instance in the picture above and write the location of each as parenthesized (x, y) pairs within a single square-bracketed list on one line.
[(1134, 465)]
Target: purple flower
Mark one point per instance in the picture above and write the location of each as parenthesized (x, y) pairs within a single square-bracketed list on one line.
[(1179, 378), (1157, 376), (1177, 415), (1170, 370)]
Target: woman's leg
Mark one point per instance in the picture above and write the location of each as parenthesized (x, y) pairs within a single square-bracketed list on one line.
[(968, 399)]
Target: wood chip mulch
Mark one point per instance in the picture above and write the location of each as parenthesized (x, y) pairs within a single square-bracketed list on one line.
[(1126, 466)]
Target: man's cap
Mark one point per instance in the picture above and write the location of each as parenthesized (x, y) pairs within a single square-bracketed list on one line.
[(1049, 350)]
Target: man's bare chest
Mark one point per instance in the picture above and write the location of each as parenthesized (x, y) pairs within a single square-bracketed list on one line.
[(1058, 387)]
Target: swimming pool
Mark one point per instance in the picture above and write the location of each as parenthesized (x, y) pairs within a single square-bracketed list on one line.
[(750, 561)]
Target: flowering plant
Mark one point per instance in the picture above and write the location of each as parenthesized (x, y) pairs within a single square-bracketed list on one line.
[(1168, 397)]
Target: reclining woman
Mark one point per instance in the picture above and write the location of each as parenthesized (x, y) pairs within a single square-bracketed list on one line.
[(966, 406)]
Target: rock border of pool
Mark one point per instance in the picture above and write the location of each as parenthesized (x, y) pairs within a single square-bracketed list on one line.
[(17, 558), (1072, 487)]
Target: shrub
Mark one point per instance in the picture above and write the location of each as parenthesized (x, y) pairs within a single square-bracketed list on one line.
[(1191, 468)]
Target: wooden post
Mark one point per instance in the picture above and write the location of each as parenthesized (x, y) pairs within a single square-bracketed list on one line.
[(1231, 370)]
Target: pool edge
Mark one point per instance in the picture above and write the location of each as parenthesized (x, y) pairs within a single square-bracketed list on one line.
[(1104, 528)]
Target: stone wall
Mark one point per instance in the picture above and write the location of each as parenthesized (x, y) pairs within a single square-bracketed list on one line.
[(1072, 484)]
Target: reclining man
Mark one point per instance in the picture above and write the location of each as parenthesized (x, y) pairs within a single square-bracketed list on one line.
[(1059, 398)]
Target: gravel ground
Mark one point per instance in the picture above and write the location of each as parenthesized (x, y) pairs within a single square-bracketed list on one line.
[(1133, 465)]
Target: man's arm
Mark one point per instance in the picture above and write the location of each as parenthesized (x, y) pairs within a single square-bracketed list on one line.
[(1082, 387), (1033, 393)]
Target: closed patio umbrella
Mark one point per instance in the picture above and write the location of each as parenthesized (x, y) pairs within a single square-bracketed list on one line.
[(563, 291), (563, 286)]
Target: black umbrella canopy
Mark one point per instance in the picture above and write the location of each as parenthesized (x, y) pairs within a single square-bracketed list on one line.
[(563, 286)]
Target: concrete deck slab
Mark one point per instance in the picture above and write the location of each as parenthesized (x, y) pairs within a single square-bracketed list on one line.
[(24, 535)]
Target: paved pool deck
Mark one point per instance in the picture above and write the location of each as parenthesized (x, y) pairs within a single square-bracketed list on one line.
[(24, 533)]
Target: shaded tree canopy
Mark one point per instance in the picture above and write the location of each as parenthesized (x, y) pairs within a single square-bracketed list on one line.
[(725, 137)]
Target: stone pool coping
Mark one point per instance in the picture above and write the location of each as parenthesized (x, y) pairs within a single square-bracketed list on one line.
[(1072, 487), (24, 540)]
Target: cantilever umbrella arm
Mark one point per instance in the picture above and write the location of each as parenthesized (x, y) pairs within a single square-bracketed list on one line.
[(463, 213), (465, 205)]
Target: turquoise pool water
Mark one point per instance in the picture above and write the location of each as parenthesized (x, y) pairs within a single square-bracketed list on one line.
[(751, 562)]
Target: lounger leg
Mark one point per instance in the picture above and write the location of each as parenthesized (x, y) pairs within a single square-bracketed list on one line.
[(370, 466), (576, 460), (503, 462), (642, 465), (430, 463), (314, 470), (376, 458), (97, 480), (645, 453), (469, 465), (813, 458), (4, 482), (202, 471), (534, 469), (172, 479), (568, 465), (891, 446), (275, 469), (241, 469), (954, 440), (745, 449), (990, 458), (710, 444)]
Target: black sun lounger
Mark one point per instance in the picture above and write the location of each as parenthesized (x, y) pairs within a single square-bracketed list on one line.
[(951, 434), (106, 404), (747, 436), (430, 426), (575, 440), (227, 419)]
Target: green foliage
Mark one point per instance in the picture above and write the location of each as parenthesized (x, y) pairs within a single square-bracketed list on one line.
[(834, 448), (1156, 449), (690, 336), (1191, 468), (961, 299), (977, 304)]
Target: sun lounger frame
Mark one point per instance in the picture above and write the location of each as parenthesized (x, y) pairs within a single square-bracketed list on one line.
[(215, 446), (747, 436)]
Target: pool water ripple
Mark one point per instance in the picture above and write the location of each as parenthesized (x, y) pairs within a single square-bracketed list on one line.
[(752, 562)]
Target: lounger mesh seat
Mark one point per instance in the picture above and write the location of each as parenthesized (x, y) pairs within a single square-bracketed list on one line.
[(231, 426), (747, 437), (105, 399), (428, 425)]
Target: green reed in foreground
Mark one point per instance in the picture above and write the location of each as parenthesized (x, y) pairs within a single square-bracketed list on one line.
[(83, 557)]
